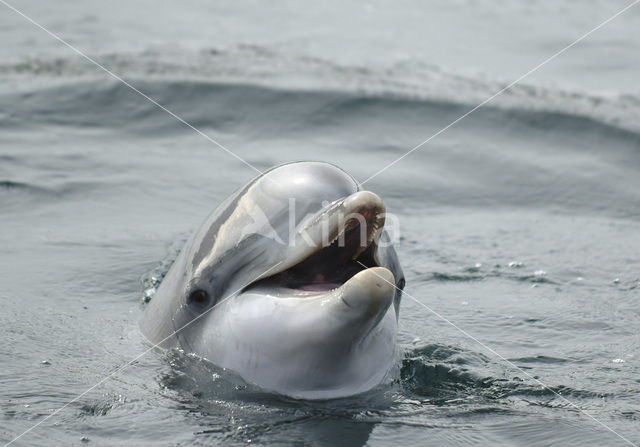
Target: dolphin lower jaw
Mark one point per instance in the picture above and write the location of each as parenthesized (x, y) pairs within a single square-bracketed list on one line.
[(312, 348), (370, 292), (330, 328)]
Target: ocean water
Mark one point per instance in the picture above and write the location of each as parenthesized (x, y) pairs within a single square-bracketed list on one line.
[(519, 225)]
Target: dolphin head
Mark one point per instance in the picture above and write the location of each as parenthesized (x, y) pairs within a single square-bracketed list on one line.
[(292, 283)]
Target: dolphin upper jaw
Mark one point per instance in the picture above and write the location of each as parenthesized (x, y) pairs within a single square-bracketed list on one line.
[(344, 229)]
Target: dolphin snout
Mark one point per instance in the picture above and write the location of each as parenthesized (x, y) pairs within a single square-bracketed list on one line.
[(369, 292)]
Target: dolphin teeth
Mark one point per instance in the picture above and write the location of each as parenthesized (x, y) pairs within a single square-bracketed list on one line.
[(362, 210), (340, 235)]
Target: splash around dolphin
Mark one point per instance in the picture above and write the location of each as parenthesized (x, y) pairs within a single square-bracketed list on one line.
[(292, 283)]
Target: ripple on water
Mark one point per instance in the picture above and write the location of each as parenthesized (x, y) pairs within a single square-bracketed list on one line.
[(446, 376)]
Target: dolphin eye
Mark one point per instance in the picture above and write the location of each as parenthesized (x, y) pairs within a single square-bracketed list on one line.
[(199, 297), (401, 284)]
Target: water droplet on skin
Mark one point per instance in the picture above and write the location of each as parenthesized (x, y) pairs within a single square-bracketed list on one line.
[(148, 294)]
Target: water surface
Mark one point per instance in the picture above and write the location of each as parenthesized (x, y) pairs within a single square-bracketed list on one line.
[(519, 225)]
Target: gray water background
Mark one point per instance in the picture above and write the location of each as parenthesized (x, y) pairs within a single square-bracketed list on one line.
[(520, 224)]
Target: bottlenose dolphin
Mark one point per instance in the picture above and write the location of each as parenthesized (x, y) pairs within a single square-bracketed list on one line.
[(291, 282)]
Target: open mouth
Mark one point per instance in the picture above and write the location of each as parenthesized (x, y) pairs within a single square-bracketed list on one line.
[(349, 247)]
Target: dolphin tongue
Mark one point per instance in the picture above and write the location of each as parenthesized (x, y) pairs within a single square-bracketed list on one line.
[(319, 284)]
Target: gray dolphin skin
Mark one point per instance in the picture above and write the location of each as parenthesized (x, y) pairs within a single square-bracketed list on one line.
[(290, 284)]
